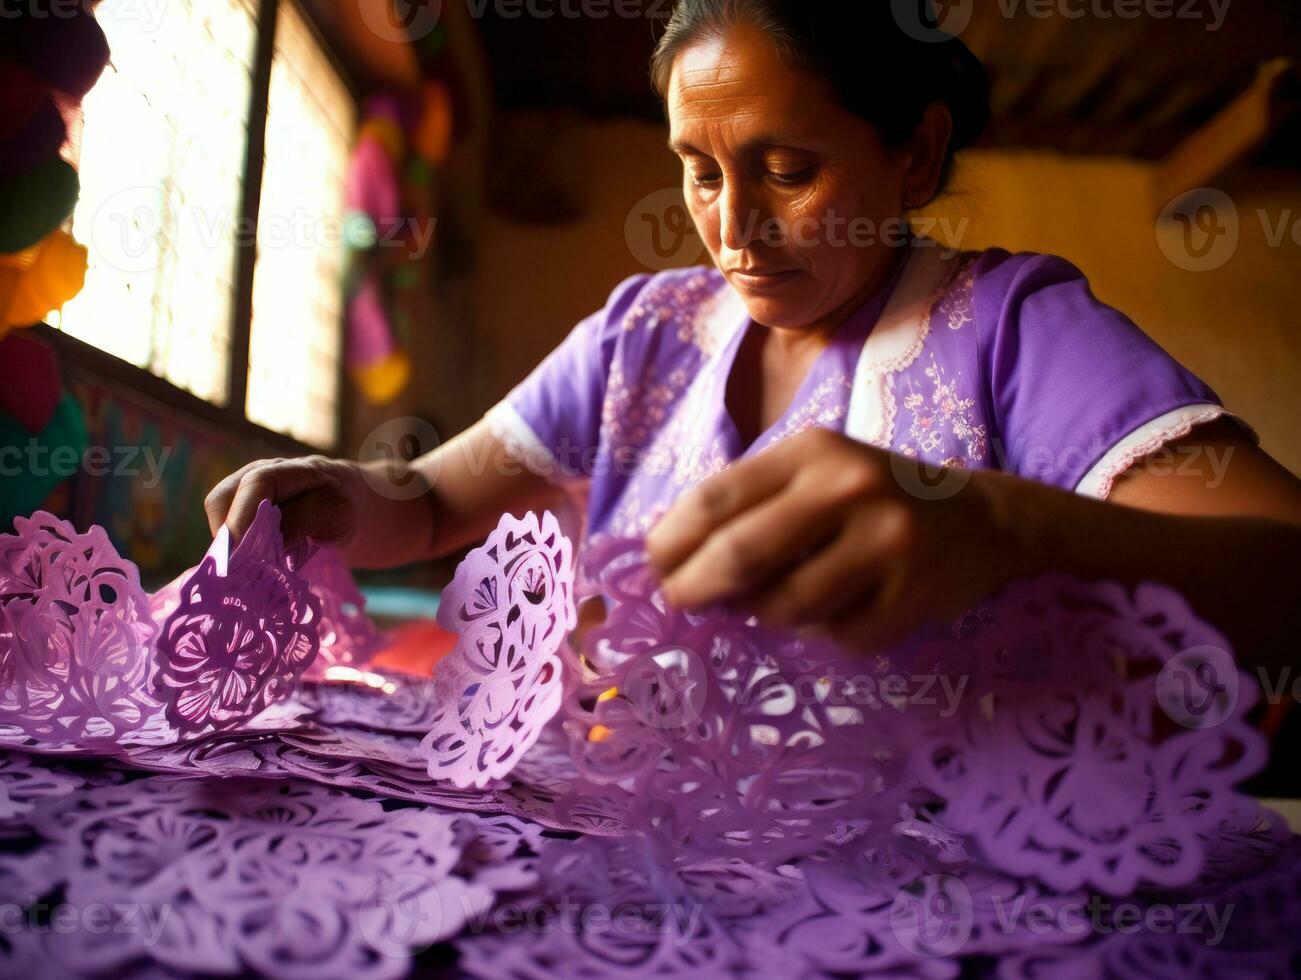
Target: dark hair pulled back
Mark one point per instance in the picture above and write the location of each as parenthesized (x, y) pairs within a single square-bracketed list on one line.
[(878, 69)]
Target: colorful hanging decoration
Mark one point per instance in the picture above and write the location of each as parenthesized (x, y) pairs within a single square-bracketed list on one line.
[(45, 458), (53, 60), (372, 202), (432, 138), (43, 435), (388, 214), (40, 279), (30, 386)]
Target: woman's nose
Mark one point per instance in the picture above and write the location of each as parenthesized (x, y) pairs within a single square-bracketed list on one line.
[(740, 220)]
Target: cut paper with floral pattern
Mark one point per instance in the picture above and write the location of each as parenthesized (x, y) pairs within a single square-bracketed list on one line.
[(320, 757), (23, 783), (734, 801), (718, 730), (348, 637), (1055, 763), (511, 603), (283, 879), (245, 630), (75, 636)]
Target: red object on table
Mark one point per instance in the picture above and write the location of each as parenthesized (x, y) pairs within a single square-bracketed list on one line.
[(415, 648)]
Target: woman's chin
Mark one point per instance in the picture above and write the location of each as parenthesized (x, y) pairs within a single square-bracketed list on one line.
[(787, 309)]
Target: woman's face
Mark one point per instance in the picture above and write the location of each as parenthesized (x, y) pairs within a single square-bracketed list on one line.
[(796, 198)]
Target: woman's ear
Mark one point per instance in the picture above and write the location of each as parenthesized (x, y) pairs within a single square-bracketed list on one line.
[(926, 153)]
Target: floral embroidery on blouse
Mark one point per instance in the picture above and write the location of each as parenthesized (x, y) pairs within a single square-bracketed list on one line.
[(824, 407), (635, 409), (657, 425), (686, 305), (639, 391), (633, 412), (955, 309), (941, 420)]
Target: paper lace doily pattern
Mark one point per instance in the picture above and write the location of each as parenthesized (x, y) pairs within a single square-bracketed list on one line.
[(220, 876), (246, 628), (511, 604), (1045, 790), (76, 637), (348, 638)]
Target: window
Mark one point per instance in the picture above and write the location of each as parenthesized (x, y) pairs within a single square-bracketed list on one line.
[(297, 284), (165, 208)]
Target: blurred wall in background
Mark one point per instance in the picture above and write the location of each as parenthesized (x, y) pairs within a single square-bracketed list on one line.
[(1236, 326)]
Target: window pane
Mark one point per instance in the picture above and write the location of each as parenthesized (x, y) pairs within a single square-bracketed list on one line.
[(294, 351), (161, 164)]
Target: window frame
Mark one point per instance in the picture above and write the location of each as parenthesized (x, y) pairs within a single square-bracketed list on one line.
[(93, 364)]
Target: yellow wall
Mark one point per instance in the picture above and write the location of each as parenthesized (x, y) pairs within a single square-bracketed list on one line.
[(1236, 326)]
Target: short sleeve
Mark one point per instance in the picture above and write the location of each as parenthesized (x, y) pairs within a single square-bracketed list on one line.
[(553, 417), (1077, 392)]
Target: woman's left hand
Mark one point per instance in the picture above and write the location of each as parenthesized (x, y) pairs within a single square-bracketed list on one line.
[(823, 531)]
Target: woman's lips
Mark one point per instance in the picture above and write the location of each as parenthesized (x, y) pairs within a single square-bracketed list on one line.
[(762, 279)]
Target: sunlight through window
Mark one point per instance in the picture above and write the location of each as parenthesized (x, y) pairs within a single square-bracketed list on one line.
[(161, 165), (294, 350)]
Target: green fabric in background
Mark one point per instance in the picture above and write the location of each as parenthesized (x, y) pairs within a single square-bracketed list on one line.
[(28, 474)]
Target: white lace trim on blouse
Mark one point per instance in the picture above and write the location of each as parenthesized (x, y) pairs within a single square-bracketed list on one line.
[(1144, 441)]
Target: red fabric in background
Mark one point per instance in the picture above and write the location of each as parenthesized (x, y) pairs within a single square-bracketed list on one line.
[(21, 94), (30, 387)]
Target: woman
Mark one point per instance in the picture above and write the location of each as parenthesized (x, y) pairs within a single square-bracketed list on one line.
[(773, 424)]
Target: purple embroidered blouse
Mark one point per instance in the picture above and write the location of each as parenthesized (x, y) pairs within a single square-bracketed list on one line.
[(977, 360)]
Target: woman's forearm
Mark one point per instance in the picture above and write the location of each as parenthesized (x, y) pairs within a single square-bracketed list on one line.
[(1237, 573), (443, 501)]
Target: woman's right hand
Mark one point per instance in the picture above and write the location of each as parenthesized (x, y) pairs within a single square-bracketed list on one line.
[(386, 513), (318, 497)]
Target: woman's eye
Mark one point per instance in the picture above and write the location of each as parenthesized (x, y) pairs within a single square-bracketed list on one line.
[(705, 179), (793, 177)]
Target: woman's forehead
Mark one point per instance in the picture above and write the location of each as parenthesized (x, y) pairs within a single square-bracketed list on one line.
[(739, 79)]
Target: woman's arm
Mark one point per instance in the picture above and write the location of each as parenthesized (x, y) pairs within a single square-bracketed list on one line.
[(1210, 515), (824, 531), (375, 512)]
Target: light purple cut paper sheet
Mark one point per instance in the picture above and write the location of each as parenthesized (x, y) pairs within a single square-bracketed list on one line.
[(1041, 791)]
